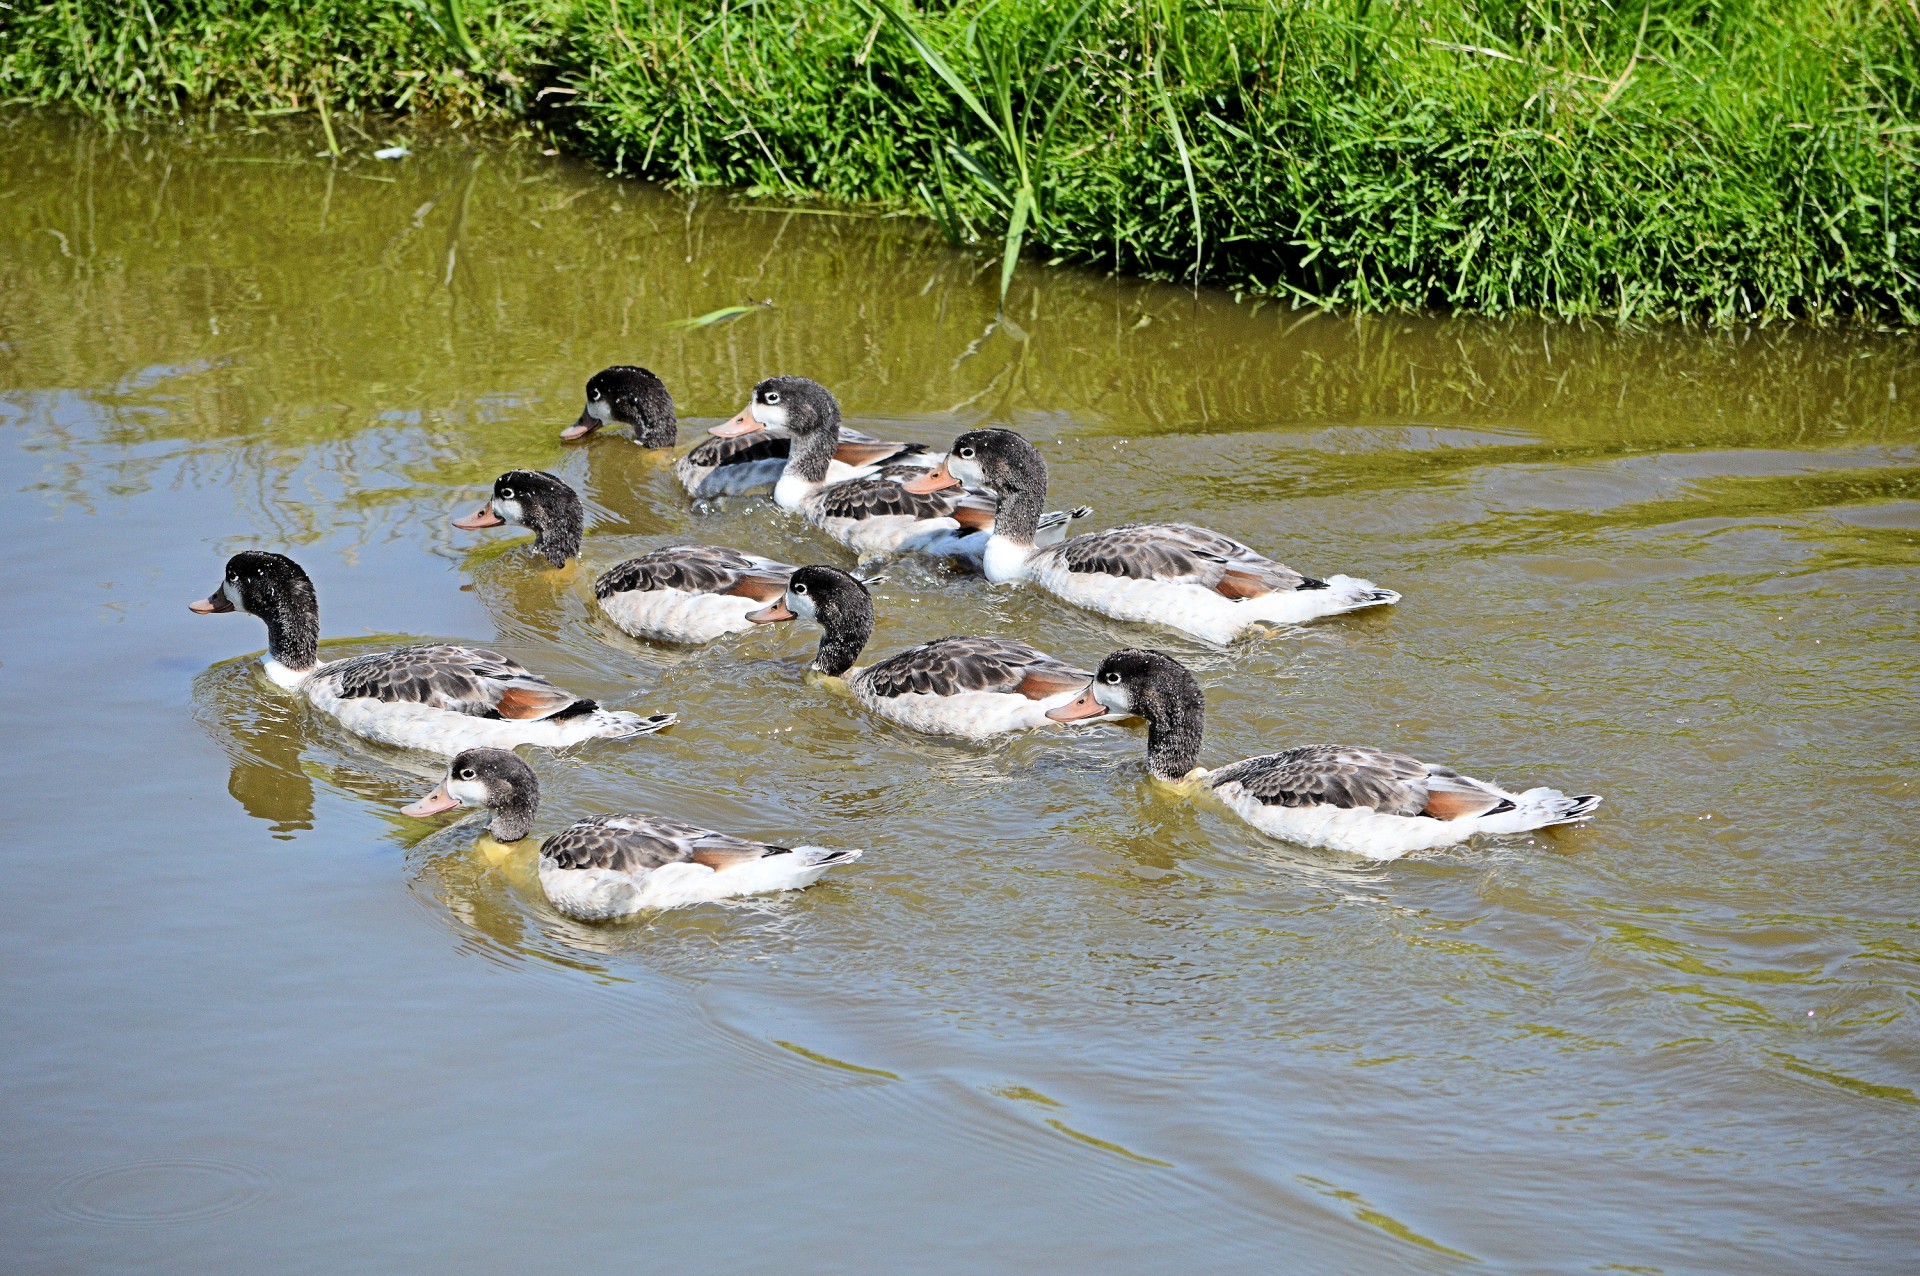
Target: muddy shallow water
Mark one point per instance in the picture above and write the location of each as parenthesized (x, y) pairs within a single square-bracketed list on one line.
[(1056, 1019)]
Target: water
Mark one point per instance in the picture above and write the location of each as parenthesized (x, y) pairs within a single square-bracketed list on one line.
[(1055, 1019)]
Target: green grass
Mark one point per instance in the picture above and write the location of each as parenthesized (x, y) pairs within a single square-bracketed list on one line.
[(1719, 160)]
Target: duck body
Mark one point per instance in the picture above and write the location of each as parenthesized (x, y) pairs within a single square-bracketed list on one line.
[(436, 697), (610, 866), (1358, 800), (1184, 577), (1378, 804), (972, 688), (689, 593), (1175, 574)]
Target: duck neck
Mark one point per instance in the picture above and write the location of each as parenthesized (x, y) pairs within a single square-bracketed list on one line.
[(513, 818), (654, 422), (844, 636), (812, 454), (1175, 723), (556, 533), (293, 628), (1017, 520)]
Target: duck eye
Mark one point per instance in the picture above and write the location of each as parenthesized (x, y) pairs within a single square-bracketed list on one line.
[(506, 493), (966, 452), (772, 396), (594, 395), (1113, 678), (467, 774), (799, 589)]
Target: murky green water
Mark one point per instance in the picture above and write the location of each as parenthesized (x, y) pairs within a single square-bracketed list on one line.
[(1055, 1020)]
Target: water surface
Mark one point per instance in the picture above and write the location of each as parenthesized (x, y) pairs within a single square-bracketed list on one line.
[(1056, 1019)]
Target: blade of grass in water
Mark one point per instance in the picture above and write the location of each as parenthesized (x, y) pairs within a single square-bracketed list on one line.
[(725, 314)]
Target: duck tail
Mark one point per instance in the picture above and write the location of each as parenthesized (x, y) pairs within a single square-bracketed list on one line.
[(1358, 593), (617, 724)]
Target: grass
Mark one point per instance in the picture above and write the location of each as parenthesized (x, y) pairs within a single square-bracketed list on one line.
[(1718, 160)]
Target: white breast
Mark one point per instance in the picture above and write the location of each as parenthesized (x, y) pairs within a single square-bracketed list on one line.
[(676, 616), (1354, 831), (972, 715)]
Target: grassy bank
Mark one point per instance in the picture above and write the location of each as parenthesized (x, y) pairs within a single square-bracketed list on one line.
[(1714, 159)]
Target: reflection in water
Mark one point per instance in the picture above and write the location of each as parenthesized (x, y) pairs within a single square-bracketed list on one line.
[(1675, 568)]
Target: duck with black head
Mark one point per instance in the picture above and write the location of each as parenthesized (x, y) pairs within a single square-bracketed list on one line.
[(1176, 574), (974, 688), (747, 455), (609, 866), (630, 396), (438, 697), (886, 512), (544, 504), (1360, 800)]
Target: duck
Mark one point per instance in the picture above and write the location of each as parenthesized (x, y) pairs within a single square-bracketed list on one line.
[(678, 593), (542, 503), (609, 866), (631, 396), (891, 511), (1360, 800), (973, 688), (436, 697), (736, 461), (1185, 577)]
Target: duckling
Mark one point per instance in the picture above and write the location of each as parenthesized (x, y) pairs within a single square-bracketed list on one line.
[(543, 503), (1364, 801), (1175, 574), (974, 688), (438, 697), (629, 396), (608, 866)]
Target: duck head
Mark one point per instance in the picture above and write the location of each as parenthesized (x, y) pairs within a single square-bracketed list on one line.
[(838, 602), (629, 396), (1140, 683), (539, 502), (487, 779), (277, 590)]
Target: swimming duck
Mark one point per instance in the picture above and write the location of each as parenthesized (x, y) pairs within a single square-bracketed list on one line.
[(608, 866), (1364, 801), (741, 462), (543, 504), (975, 688), (892, 511), (680, 593), (1175, 574), (629, 396), (437, 696)]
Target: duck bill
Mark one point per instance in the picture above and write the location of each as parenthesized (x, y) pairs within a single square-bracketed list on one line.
[(580, 429), (935, 480), (772, 614), (482, 517), (1079, 709), (213, 604), (433, 803), (741, 424)]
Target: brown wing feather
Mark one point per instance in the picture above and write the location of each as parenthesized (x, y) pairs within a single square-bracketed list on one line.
[(694, 569), (1181, 551)]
